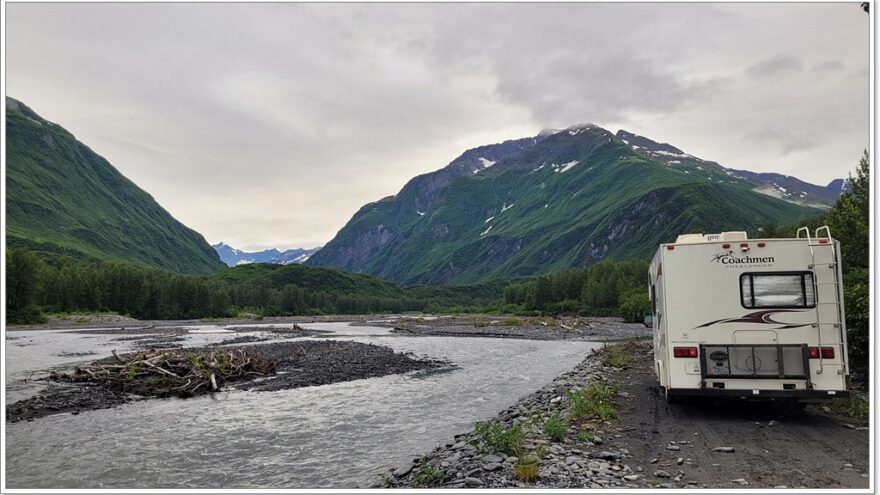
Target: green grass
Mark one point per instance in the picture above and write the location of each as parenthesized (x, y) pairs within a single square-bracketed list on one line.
[(595, 402), (586, 436), (500, 439), (853, 407), (427, 476), (555, 428), (511, 322), (615, 357), (526, 468)]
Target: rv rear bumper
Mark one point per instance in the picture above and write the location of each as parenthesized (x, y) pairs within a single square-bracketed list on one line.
[(762, 394)]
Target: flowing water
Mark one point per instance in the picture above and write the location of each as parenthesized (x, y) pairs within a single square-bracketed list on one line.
[(341, 435)]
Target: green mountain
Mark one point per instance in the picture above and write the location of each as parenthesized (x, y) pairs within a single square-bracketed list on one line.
[(562, 199), (63, 198)]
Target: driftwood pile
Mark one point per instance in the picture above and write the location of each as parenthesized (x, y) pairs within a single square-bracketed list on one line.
[(172, 372)]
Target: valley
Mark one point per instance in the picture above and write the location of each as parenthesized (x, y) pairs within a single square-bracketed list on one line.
[(497, 283)]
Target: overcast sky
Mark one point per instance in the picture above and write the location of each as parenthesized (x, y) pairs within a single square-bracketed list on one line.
[(269, 125)]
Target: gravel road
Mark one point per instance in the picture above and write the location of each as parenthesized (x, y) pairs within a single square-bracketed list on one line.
[(772, 447), (653, 444)]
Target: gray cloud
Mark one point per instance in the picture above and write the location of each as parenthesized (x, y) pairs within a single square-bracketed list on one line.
[(269, 125), (785, 140), (775, 66), (828, 66)]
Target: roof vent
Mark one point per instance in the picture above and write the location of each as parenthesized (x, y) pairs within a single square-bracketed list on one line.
[(689, 238)]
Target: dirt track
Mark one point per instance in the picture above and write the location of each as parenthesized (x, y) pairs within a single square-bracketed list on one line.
[(771, 447)]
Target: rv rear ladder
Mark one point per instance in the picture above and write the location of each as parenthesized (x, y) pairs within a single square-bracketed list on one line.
[(833, 265)]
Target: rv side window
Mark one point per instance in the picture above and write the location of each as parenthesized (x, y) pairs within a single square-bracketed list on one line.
[(653, 299), (777, 290)]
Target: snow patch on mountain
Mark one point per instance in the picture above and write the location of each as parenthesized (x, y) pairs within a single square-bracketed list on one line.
[(237, 257), (564, 166)]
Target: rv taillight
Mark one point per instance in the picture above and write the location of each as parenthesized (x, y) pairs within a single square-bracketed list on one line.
[(827, 352), (670, 247), (761, 244), (823, 241), (684, 352), (744, 246), (726, 246)]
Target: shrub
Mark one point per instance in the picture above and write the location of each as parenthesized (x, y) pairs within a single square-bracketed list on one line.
[(854, 407), (25, 316), (506, 440), (594, 401), (634, 305), (526, 469), (615, 357), (511, 322), (427, 476), (555, 428), (586, 436)]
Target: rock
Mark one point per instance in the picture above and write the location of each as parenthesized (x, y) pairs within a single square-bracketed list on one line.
[(556, 399), (772, 423), (609, 455), (673, 447), (654, 460), (403, 470), (492, 466), (472, 472), (679, 461), (631, 477), (726, 450), (459, 445), (570, 460), (491, 459), (511, 460), (741, 481), (847, 465), (473, 482), (662, 474), (597, 440)]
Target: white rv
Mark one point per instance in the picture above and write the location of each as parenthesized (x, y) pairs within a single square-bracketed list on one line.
[(749, 318)]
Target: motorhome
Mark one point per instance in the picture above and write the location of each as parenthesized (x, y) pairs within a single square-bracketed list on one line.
[(749, 318)]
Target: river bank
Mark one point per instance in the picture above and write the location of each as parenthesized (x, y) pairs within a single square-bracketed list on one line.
[(596, 329), (297, 364), (631, 438)]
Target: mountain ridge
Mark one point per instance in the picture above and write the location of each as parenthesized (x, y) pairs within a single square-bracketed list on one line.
[(65, 199), (235, 257), (564, 198)]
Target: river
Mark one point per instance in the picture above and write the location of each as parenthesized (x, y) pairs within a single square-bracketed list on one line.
[(334, 436)]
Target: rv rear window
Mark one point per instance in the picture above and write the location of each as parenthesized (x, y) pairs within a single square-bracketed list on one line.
[(777, 290)]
